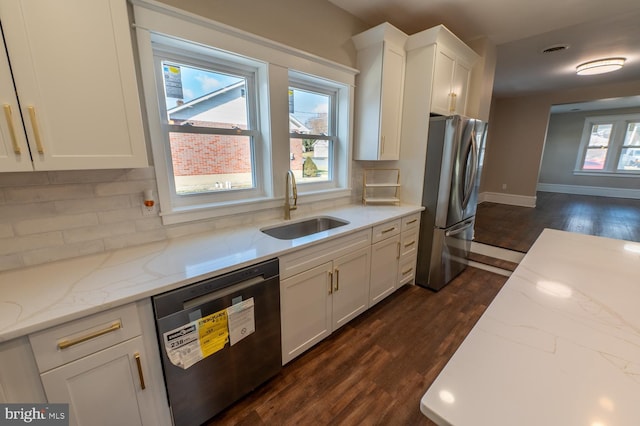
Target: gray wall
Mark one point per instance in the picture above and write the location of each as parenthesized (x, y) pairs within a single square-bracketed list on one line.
[(561, 150)]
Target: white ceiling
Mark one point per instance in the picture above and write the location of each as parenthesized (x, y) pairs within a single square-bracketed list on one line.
[(521, 29)]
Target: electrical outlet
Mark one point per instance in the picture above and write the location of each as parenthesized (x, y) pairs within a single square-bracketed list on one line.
[(149, 211), (504, 186)]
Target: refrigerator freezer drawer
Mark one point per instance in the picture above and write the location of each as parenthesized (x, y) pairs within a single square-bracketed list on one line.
[(449, 254)]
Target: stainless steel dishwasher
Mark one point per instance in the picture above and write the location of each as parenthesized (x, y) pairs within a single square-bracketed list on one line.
[(219, 339)]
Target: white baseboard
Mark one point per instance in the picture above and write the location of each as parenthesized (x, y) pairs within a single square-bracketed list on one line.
[(511, 199), (599, 191), (490, 268)]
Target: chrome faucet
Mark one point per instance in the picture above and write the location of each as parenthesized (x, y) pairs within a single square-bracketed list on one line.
[(290, 183)]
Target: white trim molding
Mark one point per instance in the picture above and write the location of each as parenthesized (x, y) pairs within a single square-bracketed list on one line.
[(599, 191), (511, 199)]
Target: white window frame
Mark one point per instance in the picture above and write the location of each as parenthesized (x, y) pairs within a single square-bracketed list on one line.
[(220, 62), (274, 62), (616, 142), (338, 134)]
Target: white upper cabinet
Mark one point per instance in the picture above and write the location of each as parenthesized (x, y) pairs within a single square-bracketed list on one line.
[(450, 61), (379, 92), (72, 64)]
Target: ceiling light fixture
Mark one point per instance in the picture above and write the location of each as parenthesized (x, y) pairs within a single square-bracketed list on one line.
[(600, 66)]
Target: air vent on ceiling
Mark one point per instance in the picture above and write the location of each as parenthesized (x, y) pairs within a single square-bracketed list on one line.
[(555, 48)]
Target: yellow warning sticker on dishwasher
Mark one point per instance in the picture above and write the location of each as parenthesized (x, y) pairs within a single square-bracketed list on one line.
[(194, 341), (213, 332)]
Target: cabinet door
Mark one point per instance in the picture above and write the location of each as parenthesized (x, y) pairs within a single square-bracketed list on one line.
[(385, 255), (391, 112), (460, 88), (350, 286), (442, 77), (305, 304), (73, 67), (14, 153), (103, 388)]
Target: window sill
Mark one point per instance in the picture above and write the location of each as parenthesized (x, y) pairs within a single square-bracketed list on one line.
[(607, 174), (194, 213)]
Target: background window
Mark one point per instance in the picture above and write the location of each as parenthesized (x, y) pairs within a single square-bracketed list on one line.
[(630, 155), (596, 154)]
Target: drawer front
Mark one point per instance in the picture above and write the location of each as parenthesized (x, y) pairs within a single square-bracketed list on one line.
[(411, 222), (76, 339), (407, 270), (386, 230), (305, 259), (409, 243)]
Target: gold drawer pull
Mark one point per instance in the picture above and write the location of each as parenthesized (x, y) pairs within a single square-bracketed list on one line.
[(12, 131), (140, 375), (36, 129), (412, 221), (409, 244), (407, 271), (68, 343), (388, 229)]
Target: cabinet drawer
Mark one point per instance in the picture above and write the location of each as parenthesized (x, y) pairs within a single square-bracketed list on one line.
[(409, 244), (407, 270), (76, 339), (386, 230), (305, 259), (411, 222)]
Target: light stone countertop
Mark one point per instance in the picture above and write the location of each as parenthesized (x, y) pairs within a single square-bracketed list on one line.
[(38, 297), (559, 345)]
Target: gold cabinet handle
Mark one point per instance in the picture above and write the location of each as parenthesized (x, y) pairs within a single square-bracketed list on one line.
[(36, 129), (337, 280), (453, 102), (388, 230), (398, 256), (68, 343), (12, 131), (140, 375), (410, 243), (406, 271), (412, 221), (330, 282)]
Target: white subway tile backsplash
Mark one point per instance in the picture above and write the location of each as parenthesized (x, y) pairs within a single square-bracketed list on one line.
[(36, 257), (55, 223), (98, 232), (137, 238), (47, 193), (48, 216), (30, 242)]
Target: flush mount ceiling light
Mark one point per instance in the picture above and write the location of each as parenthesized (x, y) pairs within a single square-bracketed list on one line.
[(600, 66)]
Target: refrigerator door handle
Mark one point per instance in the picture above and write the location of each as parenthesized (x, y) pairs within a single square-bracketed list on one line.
[(459, 229), (474, 170)]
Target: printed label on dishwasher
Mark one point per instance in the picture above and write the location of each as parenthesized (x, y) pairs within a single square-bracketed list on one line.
[(196, 340), (242, 320)]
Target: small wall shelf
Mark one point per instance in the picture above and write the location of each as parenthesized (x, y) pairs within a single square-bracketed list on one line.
[(381, 186)]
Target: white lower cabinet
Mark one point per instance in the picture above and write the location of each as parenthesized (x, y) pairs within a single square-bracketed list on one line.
[(95, 385), (105, 366), (384, 268), (321, 289)]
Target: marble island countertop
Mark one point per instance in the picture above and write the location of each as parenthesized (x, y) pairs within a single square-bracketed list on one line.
[(38, 297), (559, 345)]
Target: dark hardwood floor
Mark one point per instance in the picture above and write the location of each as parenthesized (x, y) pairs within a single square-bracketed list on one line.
[(375, 369), (516, 228)]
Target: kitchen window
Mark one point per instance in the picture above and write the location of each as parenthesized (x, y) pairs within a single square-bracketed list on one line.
[(610, 145), (220, 129), (312, 110)]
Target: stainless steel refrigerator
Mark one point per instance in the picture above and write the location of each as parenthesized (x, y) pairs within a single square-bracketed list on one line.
[(450, 194)]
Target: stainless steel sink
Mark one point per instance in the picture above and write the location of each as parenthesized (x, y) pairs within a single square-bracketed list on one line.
[(293, 230)]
